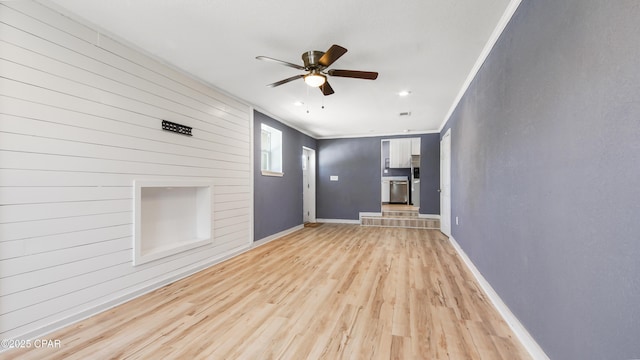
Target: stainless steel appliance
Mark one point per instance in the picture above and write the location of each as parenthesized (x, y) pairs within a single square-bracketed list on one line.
[(399, 192), (415, 187)]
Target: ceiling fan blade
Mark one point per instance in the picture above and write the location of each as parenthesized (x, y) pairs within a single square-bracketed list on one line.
[(333, 54), (266, 58), (278, 83), (369, 75), (326, 88)]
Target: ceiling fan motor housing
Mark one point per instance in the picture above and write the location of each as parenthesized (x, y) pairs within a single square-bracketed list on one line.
[(311, 60)]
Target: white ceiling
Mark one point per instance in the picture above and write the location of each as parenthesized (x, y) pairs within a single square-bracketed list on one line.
[(428, 47)]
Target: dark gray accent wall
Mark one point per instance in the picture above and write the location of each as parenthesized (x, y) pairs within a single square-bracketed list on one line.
[(278, 200), (357, 163), (430, 174), (546, 174)]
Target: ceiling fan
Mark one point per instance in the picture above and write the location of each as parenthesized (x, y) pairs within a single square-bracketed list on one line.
[(316, 63)]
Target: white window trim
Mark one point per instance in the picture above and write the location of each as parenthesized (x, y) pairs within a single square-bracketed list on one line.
[(275, 134), (272, 173)]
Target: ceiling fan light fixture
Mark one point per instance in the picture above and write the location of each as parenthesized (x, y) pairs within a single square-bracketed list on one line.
[(316, 63), (315, 79)]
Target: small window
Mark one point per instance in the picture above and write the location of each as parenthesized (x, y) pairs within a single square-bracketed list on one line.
[(271, 151)]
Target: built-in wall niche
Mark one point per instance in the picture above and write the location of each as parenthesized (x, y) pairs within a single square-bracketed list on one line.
[(170, 217)]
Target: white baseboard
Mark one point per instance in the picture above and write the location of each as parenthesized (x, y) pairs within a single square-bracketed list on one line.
[(519, 330), (277, 235), (338, 221)]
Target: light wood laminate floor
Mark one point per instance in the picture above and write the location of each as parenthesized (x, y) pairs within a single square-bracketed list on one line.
[(328, 292)]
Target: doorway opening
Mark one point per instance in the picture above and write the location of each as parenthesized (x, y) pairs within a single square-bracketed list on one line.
[(308, 185), (445, 183), (400, 174)]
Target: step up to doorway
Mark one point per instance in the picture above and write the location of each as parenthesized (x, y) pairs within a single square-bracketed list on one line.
[(410, 214), (400, 218)]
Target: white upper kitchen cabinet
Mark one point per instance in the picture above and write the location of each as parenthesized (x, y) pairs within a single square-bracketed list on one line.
[(400, 153), (415, 146)]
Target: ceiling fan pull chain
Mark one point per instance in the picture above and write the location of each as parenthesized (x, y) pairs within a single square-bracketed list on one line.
[(307, 99)]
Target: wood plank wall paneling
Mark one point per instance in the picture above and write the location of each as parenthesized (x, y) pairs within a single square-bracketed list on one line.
[(80, 117)]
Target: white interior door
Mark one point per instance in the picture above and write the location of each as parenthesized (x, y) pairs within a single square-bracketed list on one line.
[(308, 185), (445, 183)]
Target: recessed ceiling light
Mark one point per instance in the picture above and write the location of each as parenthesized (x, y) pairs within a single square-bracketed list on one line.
[(404, 93)]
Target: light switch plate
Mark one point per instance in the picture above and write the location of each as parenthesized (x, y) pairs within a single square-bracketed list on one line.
[(333, 178)]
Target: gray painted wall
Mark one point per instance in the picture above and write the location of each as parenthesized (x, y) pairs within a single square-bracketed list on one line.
[(430, 174), (545, 175), (278, 200), (357, 163)]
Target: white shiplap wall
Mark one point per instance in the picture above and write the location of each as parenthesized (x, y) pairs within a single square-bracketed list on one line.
[(80, 118)]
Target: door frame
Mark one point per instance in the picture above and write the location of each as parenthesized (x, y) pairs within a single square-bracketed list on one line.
[(309, 190), (445, 183)]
